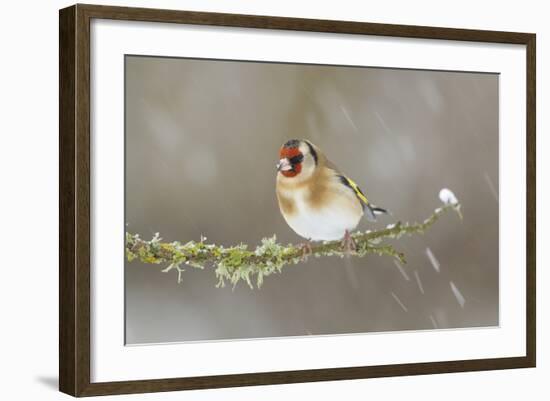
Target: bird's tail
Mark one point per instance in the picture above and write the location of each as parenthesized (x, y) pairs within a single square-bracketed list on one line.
[(372, 211)]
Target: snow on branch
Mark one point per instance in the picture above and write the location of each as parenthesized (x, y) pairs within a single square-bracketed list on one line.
[(238, 263)]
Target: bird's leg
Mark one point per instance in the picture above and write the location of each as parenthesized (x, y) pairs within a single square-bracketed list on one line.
[(348, 244), (306, 250)]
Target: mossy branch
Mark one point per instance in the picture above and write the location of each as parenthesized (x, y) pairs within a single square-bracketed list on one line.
[(237, 263)]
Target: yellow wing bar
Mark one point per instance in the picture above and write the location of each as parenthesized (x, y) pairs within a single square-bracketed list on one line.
[(350, 183)]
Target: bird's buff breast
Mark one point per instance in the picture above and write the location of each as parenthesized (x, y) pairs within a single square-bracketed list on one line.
[(326, 223)]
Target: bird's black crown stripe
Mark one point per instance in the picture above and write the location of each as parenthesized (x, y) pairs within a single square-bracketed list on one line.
[(293, 143), (312, 151)]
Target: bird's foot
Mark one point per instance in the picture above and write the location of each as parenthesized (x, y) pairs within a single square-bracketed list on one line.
[(348, 244), (306, 250)]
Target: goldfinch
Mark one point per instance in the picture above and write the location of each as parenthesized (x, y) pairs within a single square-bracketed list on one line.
[(316, 200)]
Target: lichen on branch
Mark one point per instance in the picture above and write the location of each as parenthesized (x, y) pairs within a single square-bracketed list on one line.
[(238, 263)]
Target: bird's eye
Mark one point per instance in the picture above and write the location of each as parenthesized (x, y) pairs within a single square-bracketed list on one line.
[(296, 159)]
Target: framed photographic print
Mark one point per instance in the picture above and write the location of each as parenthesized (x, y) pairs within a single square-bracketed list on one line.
[(251, 200)]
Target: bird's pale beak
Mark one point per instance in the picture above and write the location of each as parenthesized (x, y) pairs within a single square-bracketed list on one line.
[(284, 165)]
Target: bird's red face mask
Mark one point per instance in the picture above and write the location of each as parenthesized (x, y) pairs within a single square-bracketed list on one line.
[(290, 163)]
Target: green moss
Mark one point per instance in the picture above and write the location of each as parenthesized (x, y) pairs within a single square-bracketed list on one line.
[(238, 263)]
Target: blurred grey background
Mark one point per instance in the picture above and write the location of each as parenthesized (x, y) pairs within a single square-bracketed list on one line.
[(202, 140)]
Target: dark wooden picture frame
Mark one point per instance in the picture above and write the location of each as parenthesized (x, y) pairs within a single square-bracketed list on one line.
[(74, 199)]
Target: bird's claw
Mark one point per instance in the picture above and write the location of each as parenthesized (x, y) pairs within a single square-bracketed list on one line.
[(306, 250), (348, 244)]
